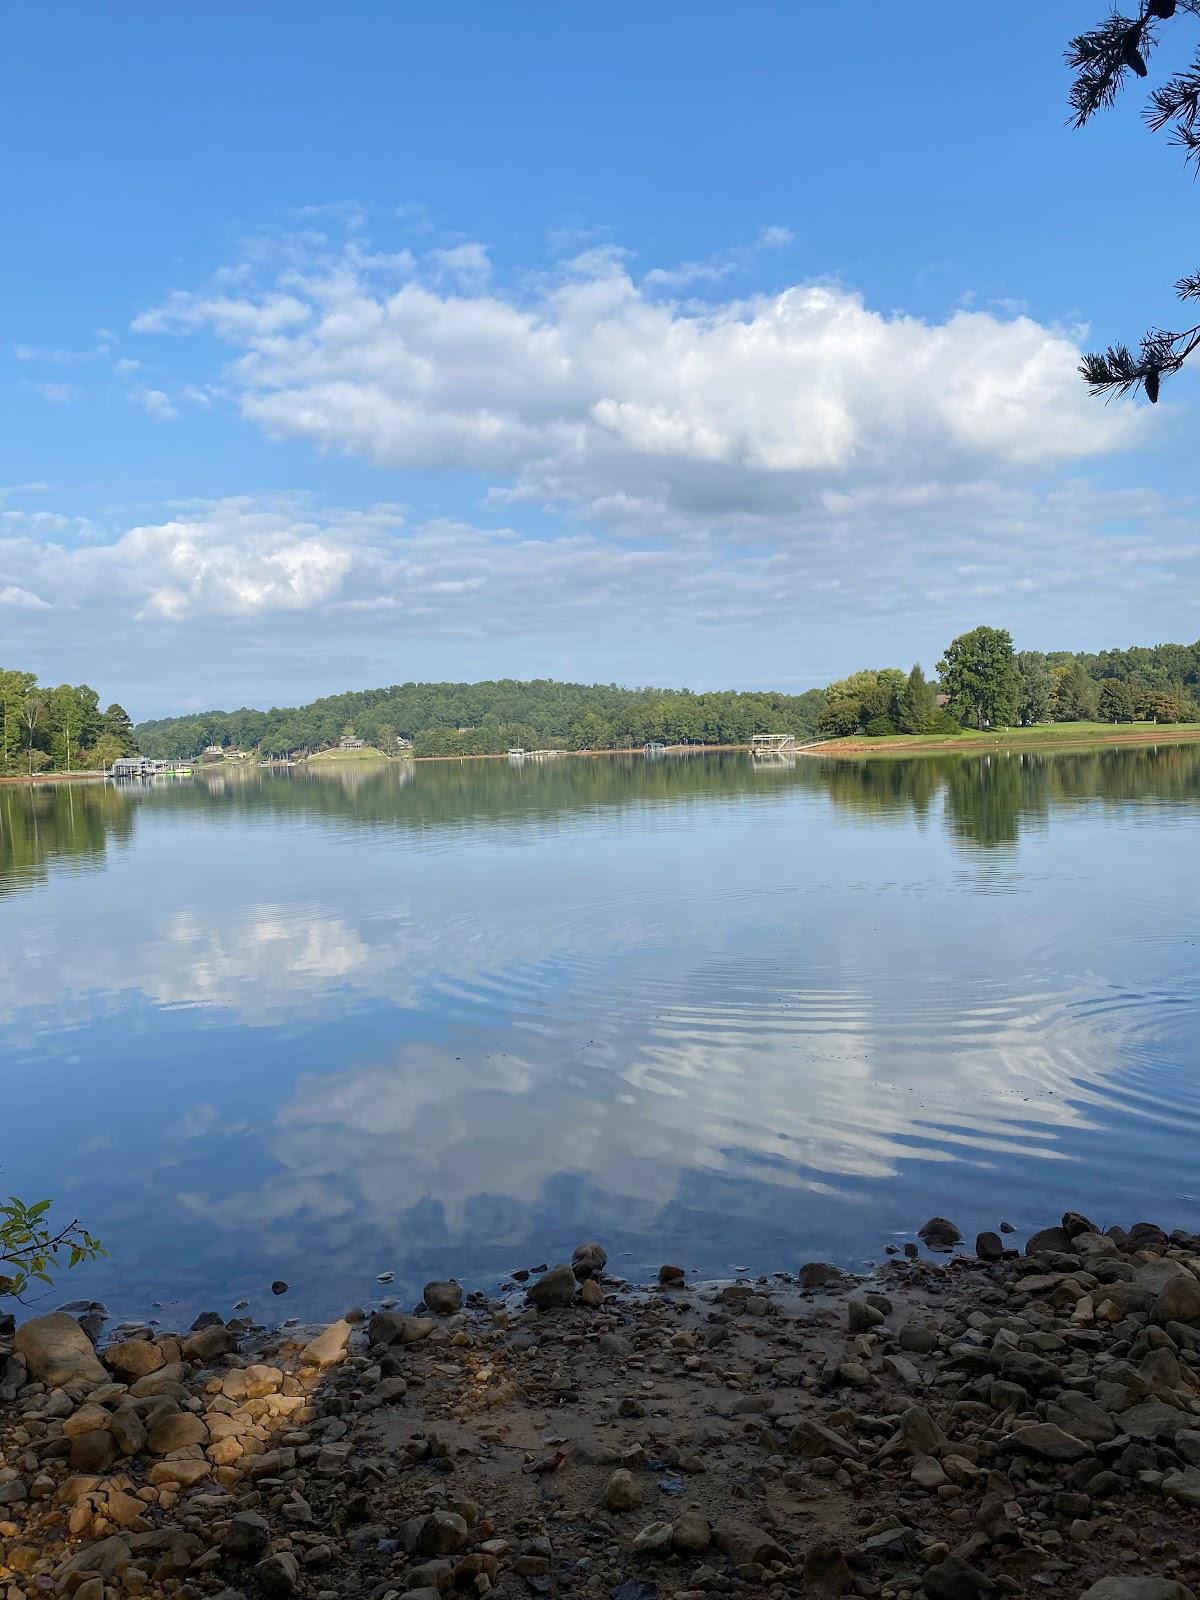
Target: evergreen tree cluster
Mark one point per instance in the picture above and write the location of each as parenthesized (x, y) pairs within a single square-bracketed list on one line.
[(61, 729)]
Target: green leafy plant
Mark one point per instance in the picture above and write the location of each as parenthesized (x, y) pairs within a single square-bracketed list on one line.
[(30, 1250)]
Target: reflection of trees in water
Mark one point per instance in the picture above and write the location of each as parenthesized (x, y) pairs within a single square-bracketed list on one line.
[(991, 799), (54, 823), (987, 800)]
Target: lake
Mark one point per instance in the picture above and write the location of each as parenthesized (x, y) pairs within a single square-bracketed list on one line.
[(458, 1017)]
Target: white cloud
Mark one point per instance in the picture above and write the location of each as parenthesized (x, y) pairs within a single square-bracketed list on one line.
[(231, 318), (58, 394), (158, 404), (11, 594), (774, 236), (586, 389)]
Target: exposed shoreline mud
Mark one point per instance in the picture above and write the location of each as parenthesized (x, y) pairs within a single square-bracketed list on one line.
[(955, 1426)]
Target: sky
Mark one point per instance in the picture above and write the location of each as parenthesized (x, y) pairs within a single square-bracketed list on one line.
[(687, 344)]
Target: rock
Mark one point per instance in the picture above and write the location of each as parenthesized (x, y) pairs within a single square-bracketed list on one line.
[(1182, 1486), (93, 1452), (954, 1579), (132, 1359), (87, 1418), (1179, 1300), (939, 1233), (989, 1247), (443, 1298), (175, 1430), (860, 1316), (441, 1533), (553, 1288), (589, 1260), (279, 1287), (58, 1352), (621, 1492), (1057, 1239), (208, 1343), (653, 1540), (826, 1574), (1074, 1223), (126, 1510), (818, 1275), (1123, 1586), (690, 1533), (1152, 1420), (672, 1277), (1048, 1442), (1146, 1236), (812, 1438), (927, 1473), (591, 1294), (102, 1558), (182, 1474), (328, 1349), (389, 1327), (247, 1538), (917, 1338), (279, 1575), (746, 1545)]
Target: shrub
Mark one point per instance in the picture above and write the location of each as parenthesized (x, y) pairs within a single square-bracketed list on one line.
[(29, 1249), (879, 727), (943, 722)]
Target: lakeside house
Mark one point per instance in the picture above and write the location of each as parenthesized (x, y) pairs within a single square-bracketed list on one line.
[(351, 743)]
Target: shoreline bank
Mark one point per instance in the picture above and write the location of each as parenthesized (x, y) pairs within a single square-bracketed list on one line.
[(1014, 742), (955, 1426)]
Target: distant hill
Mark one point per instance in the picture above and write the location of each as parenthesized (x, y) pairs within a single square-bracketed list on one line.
[(487, 718)]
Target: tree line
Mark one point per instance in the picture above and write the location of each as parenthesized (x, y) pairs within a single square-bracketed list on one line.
[(489, 718), (61, 729), (984, 683)]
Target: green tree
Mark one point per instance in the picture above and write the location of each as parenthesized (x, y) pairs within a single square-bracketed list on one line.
[(1074, 694), (916, 703), (1116, 701), (118, 724), (978, 672), (1035, 688), (14, 688), (33, 712)]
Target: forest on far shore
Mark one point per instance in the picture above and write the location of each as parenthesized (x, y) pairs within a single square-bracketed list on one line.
[(981, 681)]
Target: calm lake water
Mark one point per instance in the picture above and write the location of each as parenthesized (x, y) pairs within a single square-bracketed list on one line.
[(457, 1019)]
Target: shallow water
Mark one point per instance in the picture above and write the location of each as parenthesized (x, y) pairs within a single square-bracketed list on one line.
[(456, 1019)]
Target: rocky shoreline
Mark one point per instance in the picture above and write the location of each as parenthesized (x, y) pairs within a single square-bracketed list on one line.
[(957, 1426)]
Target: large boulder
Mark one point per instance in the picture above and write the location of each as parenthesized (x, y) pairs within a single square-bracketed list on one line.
[(443, 1297), (1179, 1300), (589, 1260), (132, 1359), (1056, 1239), (554, 1288), (58, 1352), (328, 1349), (939, 1233)]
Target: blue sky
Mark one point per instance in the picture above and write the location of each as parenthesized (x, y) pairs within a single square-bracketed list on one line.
[(690, 344)]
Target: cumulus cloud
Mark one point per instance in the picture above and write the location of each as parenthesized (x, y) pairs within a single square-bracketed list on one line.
[(157, 404), (586, 387)]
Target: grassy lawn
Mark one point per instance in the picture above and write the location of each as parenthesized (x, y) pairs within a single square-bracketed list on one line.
[(343, 757), (1047, 736)]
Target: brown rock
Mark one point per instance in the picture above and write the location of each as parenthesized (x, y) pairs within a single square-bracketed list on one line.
[(58, 1352), (133, 1359), (93, 1452), (175, 1430)]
